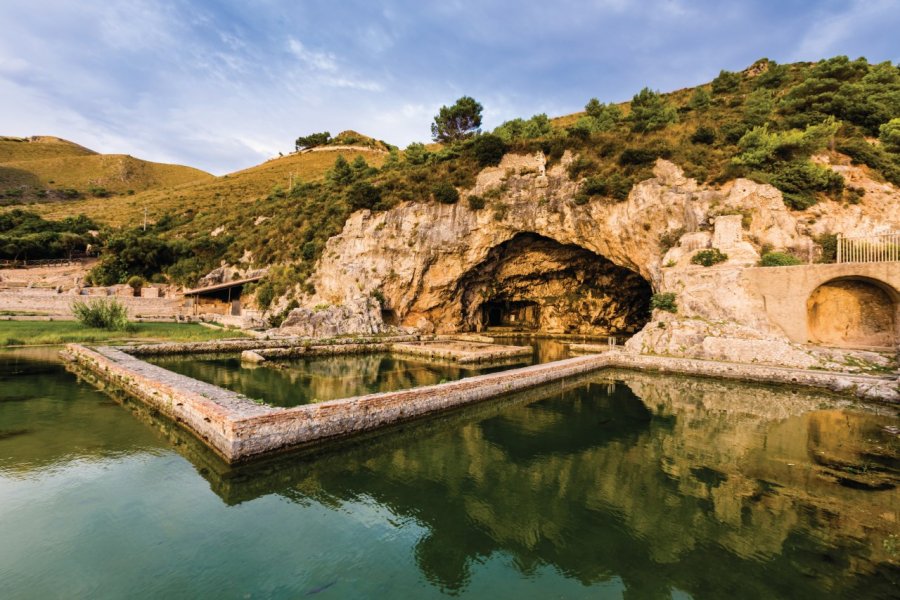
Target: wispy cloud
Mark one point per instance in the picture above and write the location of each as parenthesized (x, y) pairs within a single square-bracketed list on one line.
[(223, 85)]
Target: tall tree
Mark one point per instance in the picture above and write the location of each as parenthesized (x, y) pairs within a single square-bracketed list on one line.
[(457, 122)]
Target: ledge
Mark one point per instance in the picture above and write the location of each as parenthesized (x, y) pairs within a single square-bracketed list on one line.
[(238, 428)]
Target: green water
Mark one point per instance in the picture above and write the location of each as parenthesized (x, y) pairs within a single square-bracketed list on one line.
[(649, 487), (305, 381)]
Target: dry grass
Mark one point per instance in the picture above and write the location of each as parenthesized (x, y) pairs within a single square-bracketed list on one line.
[(114, 172), (215, 194), (17, 149)]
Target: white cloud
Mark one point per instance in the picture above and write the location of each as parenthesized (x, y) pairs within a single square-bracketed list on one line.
[(322, 61)]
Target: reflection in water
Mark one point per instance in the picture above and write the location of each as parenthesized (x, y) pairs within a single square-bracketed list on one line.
[(648, 487), (309, 380)]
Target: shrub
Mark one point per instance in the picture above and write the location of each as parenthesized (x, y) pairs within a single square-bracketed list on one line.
[(889, 134), (101, 314), (476, 202), (726, 82), (664, 301), (854, 195), (799, 181), (700, 100), (445, 193), (704, 135), (637, 156), (416, 154), (616, 186), (650, 112), (363, 194), (265, 295), (779, 259), (709, 257), (488, 150), (828, 243), (135, 282)]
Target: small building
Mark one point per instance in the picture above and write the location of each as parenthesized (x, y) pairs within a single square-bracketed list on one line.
[(220, 299)]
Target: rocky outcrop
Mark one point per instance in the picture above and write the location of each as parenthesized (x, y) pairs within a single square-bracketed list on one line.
[(361, 315), (534, 254)]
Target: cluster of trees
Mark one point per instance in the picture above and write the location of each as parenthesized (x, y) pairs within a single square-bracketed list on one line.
[(25, 235), (151, 255)]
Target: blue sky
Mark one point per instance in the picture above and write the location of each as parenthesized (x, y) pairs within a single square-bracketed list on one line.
[(225, 85)]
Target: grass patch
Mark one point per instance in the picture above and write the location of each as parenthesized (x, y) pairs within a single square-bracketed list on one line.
[(27, 333)]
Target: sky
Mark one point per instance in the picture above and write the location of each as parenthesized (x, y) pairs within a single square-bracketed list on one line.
[(223, 85)]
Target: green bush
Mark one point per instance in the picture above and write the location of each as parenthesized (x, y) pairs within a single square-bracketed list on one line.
[(445, 193), (363, 194), (476, 202), (102, 314), (709, 257), (650, 112), (779, 259), (664, 301), (799, 181), (135, 282), (616, 186), (726, 82), (889, 134), (488, 150), (704, 135)]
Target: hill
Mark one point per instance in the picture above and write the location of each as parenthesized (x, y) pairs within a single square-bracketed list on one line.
[(770, 123), (41, 169)]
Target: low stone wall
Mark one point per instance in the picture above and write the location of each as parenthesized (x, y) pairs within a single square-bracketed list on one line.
[(878, 389), (462, 351), (273, 348), (50, 303), (237, 428)]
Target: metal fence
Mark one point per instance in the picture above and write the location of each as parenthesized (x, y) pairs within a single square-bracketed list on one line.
[(869, 248)]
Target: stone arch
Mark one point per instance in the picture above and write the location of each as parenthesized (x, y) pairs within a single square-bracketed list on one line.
[(854, 312), (535, 282)]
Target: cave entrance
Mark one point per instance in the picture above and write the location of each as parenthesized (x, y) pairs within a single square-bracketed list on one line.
[(853, 313), (531, 282), (506, 313)]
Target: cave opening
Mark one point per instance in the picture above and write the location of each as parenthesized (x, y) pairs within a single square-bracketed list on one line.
[(506, 313), (534, 283)]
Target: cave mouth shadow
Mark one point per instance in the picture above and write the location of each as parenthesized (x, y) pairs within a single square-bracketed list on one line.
[(534, 283)]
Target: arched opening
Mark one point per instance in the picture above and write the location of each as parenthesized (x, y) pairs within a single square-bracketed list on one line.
[(531, 282), (853, 313)]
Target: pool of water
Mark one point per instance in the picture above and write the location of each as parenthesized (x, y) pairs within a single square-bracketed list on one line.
[(308, 380), (621, 486)]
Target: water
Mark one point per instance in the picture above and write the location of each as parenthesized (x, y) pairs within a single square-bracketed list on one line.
[(307, 380), (649, 487)]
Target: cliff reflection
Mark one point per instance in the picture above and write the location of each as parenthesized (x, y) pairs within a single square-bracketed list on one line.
[(304, 381), (711, 488)]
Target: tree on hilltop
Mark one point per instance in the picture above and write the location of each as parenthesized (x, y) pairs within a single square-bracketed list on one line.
[(457, 122), (312, 140)]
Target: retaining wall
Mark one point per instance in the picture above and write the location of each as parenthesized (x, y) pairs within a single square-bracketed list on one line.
[(51, 303), (237, 428)]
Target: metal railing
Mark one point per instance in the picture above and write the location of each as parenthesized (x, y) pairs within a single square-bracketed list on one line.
[(869, 248)]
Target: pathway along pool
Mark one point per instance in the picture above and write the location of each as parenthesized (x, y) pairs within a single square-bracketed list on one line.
[(656, 487)]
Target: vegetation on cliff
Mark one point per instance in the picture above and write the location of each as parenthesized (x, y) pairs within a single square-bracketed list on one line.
[(765, 123)]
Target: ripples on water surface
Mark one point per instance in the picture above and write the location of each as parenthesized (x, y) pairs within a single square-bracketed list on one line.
[(652, 488)]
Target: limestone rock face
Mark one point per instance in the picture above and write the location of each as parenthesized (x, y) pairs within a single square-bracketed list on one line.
[(361, 315), (534, 255)]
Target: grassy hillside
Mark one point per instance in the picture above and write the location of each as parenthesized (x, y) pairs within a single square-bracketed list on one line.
[(213, 198), (38, 147), (44, 169)]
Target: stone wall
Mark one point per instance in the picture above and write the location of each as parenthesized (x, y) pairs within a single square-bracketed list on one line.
[(51, 303)]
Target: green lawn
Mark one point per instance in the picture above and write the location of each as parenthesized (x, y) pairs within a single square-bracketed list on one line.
[(25, 333)]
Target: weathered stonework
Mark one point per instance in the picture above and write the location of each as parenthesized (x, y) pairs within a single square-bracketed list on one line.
[(238, 428)]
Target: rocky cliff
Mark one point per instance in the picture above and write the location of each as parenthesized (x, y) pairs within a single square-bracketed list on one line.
[(535, 257)]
